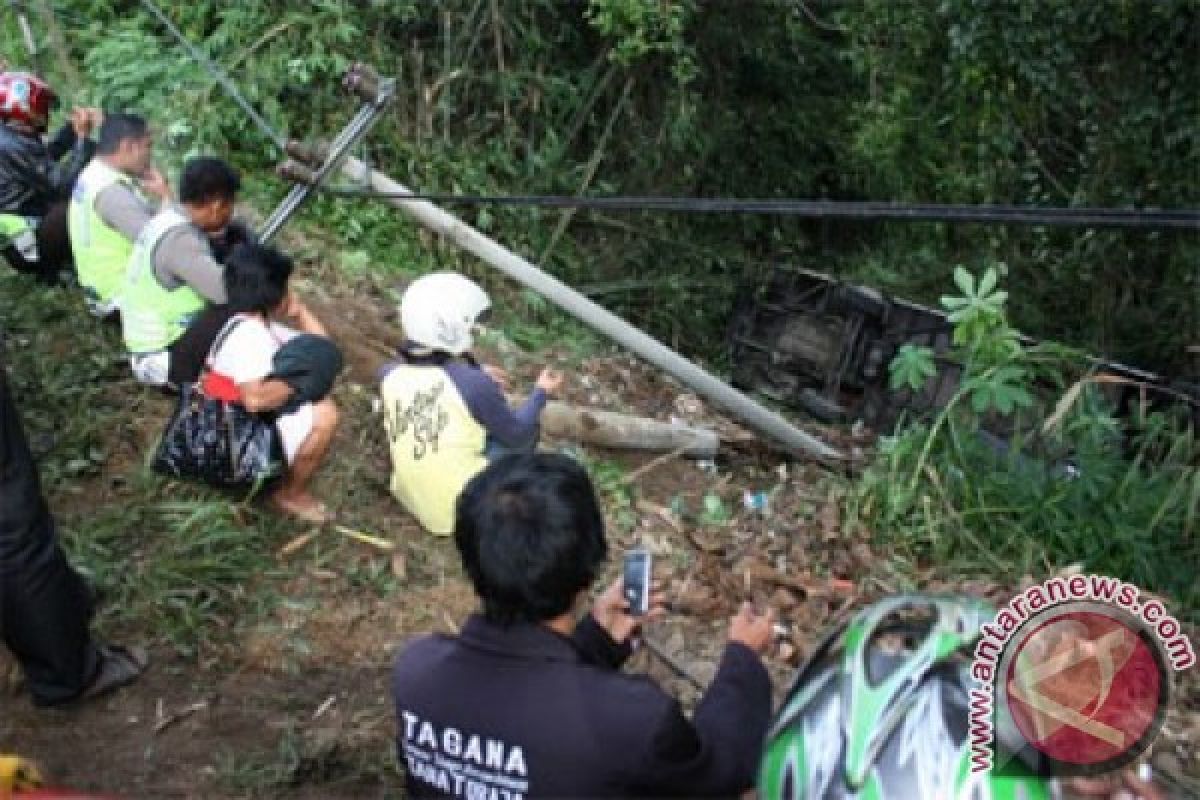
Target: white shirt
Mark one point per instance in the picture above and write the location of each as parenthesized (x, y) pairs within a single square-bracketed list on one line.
[(246, 355)]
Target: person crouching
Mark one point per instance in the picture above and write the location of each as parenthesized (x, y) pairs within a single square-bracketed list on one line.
[(446, 414), (246, 353)]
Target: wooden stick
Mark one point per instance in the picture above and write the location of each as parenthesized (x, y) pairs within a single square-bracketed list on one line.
[(377, 542)]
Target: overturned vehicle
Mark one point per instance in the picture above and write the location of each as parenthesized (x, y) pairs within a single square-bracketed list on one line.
[(812, 342)]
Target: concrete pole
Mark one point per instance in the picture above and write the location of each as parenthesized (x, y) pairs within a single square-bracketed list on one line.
[(756, 416)]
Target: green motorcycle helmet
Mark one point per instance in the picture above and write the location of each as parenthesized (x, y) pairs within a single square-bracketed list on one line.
[(880, 711)]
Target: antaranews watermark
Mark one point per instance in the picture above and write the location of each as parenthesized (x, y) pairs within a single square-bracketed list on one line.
[(1079, 669)]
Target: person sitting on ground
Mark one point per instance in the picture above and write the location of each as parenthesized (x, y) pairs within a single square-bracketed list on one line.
[(108, 208), (35, 178), (445, 414), (256, 283), (173, 301), (529, 701), (45, 606)]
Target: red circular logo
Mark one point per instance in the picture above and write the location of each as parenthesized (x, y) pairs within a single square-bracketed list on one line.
[(1086, 686)]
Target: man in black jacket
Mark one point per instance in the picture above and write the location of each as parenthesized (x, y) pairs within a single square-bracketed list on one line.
[(34, 186), (45, 606), (527, 703)]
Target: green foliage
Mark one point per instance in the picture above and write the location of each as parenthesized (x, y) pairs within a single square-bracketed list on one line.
[(1035, 102), (612, 484), (979, 312), (912, 367), (1124, 499), (640, 28), (1000, 389), (993, 375)]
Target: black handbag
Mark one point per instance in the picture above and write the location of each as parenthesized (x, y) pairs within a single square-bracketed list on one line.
[(219, 442)]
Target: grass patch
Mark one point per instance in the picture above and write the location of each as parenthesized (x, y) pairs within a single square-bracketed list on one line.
[(310, 757), (185, 569)]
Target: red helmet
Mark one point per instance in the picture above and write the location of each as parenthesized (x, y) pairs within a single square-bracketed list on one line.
[(26, 100)]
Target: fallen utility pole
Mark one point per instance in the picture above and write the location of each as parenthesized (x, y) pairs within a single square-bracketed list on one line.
[(756, 416)]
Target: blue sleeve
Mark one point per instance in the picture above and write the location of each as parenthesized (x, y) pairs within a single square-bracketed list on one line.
[(486, 403)]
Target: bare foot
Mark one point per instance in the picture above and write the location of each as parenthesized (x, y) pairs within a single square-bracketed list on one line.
[(301, 505)]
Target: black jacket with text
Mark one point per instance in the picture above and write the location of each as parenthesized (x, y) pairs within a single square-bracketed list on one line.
[(521, 711)]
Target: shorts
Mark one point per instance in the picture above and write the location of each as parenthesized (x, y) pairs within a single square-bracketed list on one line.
[(294, 428)]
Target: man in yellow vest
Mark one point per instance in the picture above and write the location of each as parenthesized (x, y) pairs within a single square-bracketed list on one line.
[(173, 300), (109, 208), (445, 414)]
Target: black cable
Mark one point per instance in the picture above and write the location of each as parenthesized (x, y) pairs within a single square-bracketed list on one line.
[(985, 214)]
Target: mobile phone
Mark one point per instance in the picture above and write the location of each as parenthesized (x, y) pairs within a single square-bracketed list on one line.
[(636, 581)]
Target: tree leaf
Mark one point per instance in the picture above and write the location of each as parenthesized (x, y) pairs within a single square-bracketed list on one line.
[(964, 280), (988, 282)]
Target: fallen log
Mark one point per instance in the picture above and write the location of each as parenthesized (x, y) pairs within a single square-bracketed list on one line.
[(625, 432)]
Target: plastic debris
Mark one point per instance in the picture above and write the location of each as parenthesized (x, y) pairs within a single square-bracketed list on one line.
[(757, 502)]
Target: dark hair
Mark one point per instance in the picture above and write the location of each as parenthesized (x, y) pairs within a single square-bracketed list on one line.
[(421, 356), (208, 178), (531, 536), (256, 277), (116, 128)]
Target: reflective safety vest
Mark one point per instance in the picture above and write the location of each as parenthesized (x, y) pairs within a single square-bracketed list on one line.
[(11, 225), (101, 252), (19, 232), (152, 316), (436, 445)]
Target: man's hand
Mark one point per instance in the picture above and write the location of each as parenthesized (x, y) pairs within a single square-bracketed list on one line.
[(549, 381), (85, 120), (154, 183), (612, 611), (752, 629)]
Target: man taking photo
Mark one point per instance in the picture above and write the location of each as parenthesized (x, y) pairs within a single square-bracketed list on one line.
[(529, 699)]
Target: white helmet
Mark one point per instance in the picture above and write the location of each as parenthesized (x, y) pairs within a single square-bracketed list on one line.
[(439, 309)]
